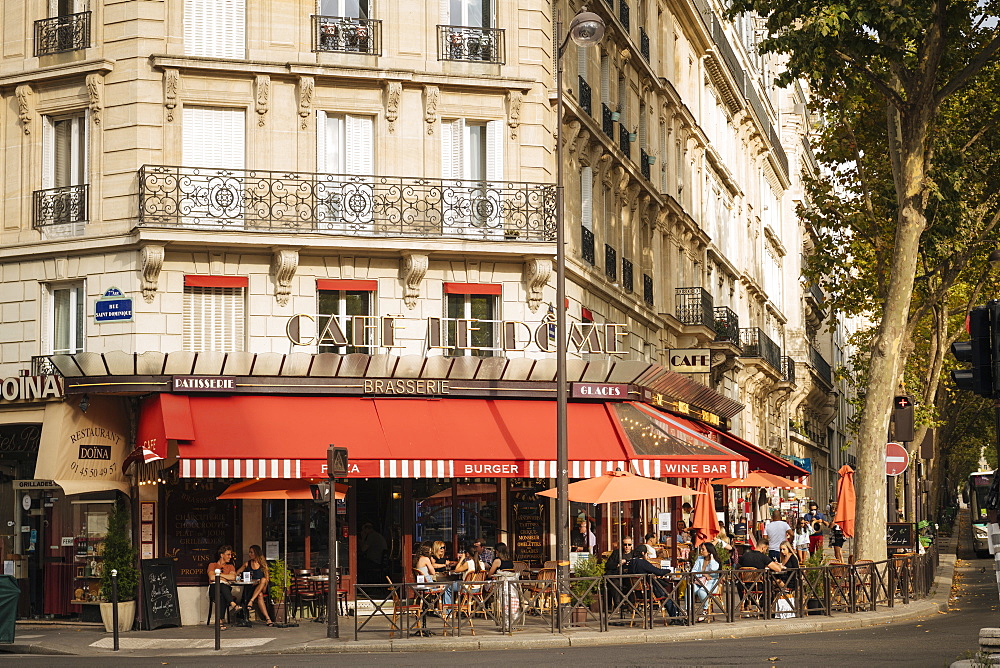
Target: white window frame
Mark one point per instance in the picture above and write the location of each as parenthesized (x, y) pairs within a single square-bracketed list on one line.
[(77, 316), (343, 9), (457, 169), (215, 28), (77, 7), (78, 146), (200, 333), (345, 145), (463, 18), (343, 319), (495, 349)]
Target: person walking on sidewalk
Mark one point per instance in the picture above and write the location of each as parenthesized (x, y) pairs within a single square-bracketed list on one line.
[(777, 531), (816, 522)]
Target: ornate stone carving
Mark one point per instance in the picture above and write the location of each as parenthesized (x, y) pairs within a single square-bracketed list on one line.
[(150, 264), (536, 276), (412, 272), (262, 93), (171, 86), (581, 145), (25, 108), (95, 90), (432, 95), (591, 155), (514, 100), (393, 91), (633, 195), (284, 262), (604, 169), (306, 88)]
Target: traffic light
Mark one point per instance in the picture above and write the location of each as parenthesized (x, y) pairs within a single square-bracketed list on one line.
[(977, 351), (902, 418), (320, 492)]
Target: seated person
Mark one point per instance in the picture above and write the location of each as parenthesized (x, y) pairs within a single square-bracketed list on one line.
[(790, 561), (439, 556), (423, 562), (501, 560), (583, 539), (618, 559), (759, 558), (706, 572), (642, 562), (223, 563), (683, 533), (257, 566), (469, 561)]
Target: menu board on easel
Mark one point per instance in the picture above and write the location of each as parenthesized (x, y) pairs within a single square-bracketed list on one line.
[(529, 515)]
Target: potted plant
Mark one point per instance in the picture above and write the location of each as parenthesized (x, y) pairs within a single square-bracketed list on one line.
[(279, 580), (585, 600), (817, 584), (119, 555)]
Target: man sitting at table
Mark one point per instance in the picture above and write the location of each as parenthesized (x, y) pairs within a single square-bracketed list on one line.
[(642, 563), (759, 557), (583, 539)]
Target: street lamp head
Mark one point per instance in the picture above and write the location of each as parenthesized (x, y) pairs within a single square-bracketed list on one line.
[(586, 29)]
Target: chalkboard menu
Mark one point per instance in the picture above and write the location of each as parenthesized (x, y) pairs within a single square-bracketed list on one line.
[(159, 593), (899, 534), (530, 521), (195, 525)]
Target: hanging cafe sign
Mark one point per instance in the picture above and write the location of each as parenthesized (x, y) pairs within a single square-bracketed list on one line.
[(448, 333)]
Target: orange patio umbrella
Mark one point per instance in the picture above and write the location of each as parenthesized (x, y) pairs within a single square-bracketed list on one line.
[(277, 489), (753, 479), (782, 483), (620, 486), (703, 518), (846, 500)]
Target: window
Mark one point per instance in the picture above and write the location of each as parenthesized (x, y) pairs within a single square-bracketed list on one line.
[(473, 151), (68, 318), (214, 313), (470, 13), (341, 304), (213, 143), (346, 26), (355, 9), (66, 29), (345, 145), (215, 28), (467, 32), (472, 318), (63, 198)]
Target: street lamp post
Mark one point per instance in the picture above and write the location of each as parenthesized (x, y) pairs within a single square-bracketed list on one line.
[(586, 29)]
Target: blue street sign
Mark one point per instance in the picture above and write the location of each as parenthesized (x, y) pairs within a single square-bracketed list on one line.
[(113, 307)]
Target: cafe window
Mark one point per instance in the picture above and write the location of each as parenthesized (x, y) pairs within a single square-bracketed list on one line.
[(340, 300), (472, 315), (455, 511)]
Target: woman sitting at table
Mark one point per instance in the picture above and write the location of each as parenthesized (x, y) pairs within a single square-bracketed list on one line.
[(259, 573), (423, 563), (790, 561), (706, 572), (502, 561), (440, 557), (227, 576)]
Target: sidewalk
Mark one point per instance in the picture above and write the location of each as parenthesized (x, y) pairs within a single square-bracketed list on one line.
[(310, 638)]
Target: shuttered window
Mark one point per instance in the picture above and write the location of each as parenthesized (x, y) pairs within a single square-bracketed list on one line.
[(214, 137), (64, 151), (587, 198), (472, 150), (215, 28), (472, 13), (345, 144), (214, 319)]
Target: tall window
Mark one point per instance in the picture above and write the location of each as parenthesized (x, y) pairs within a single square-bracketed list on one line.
[(68, 318), (215, 28), (65, 151), (345, 145), (341, 304), (213, 141), (471, 13), (472, 322), (587, 198), (355, 9), (214, 314), (473, 151)]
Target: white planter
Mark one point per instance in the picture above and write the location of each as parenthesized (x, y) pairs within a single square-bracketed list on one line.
[(126, 615)]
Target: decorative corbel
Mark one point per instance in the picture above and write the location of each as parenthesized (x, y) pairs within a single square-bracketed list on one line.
[(150, 264), (633, 195), (621, 178), (306, 88), (432, 96), (95, 90), (393, 92), (581, 146), (284, 262), (171, 87), (604, 169), (412, 273), (25, 106), (593, 155), (514, 100), (262, 91), (570, 133), (536, 276)]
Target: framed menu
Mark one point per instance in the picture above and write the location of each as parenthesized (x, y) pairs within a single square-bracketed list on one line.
[(529, 521)]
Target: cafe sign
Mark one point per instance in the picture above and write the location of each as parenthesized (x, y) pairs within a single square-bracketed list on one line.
[(689, 360), (30, 388)]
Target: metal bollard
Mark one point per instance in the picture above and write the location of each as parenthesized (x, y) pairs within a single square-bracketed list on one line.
[(218, 609), (114, 605)]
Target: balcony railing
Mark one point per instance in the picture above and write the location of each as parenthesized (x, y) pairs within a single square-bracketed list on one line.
[(480, 45), (62, 33), (61, 206), (41, 365), (644, 44), (755, 343), (347, 34), (695, 307), (368, 206), (623, 14), (587, 245), (787, 369), (821, 366), (623, 141), (647, 289), (606, 121), (644, 163), (610, 263), (627, 283), (585, 96), (727, 325)]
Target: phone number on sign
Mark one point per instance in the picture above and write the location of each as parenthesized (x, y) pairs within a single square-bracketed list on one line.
[(93, 471)]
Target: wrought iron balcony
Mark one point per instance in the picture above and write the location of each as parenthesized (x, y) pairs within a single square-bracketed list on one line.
[(755, 343), (60, 34), (61, 206), (610, 263), (606, 121), (821, 366), (623, 13), (584, 96), (587, 245), (695, 307), (647, 289), (347, 34), (623, 140), (787, 369), (644, 44), (727, 325), (41, 365), (479, 45), (627, 283), (367, 206), (644, 163)]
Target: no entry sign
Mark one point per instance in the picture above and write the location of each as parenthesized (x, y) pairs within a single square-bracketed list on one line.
[(896, 459)]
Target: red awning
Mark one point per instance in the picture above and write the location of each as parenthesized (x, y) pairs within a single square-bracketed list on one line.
[(760, 460), (164, 417)]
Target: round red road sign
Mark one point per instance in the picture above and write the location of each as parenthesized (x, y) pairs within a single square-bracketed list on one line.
[(896, 459)]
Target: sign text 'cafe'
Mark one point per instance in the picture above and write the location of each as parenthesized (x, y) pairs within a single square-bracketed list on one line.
[(445, 333)]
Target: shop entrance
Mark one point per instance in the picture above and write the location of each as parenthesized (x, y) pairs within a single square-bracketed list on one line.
[(380, 544)]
